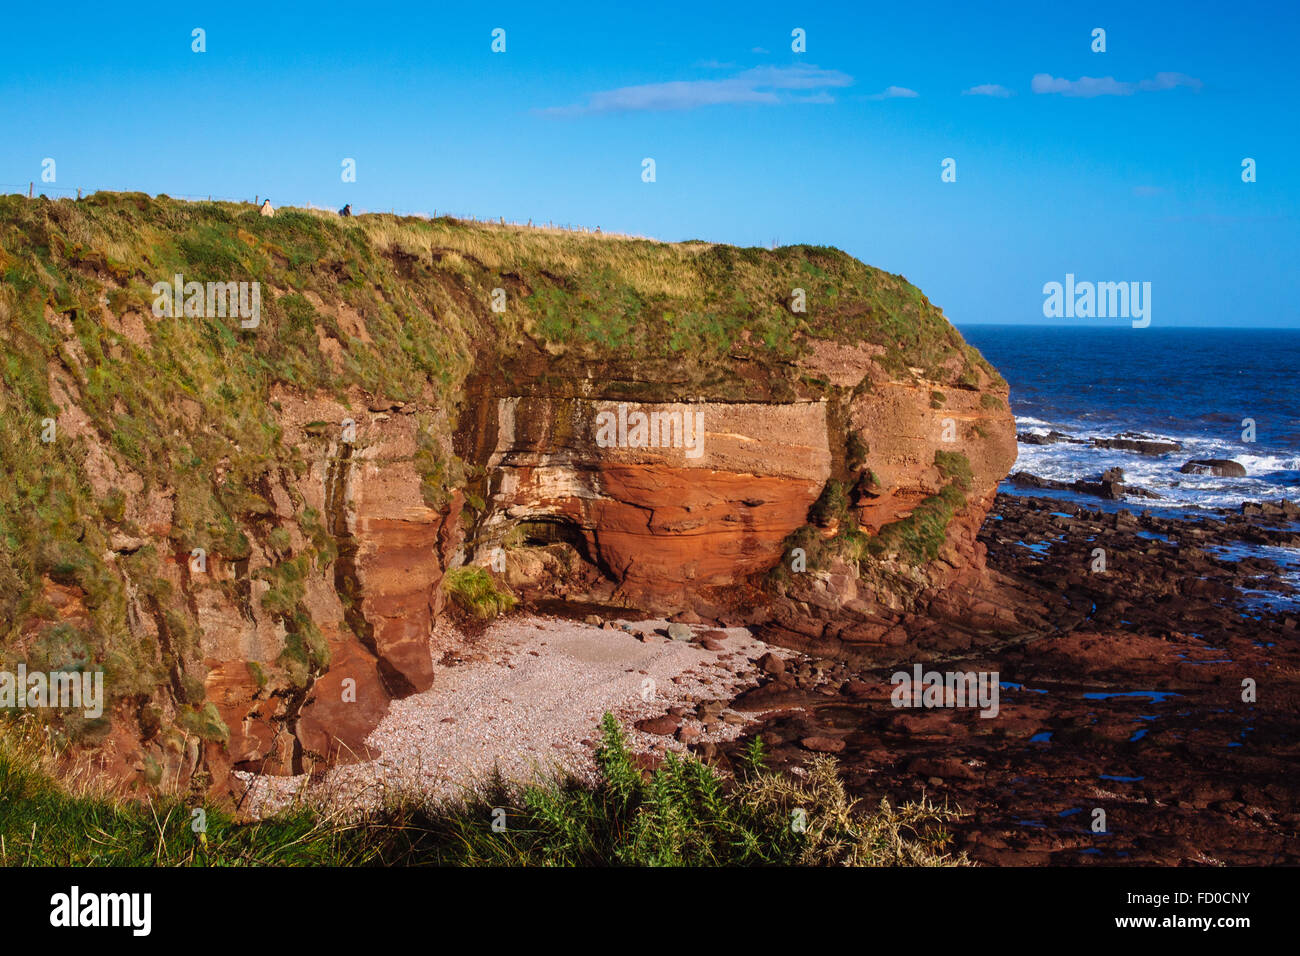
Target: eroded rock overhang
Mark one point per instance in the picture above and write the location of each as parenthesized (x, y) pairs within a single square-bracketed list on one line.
[(668, 496)]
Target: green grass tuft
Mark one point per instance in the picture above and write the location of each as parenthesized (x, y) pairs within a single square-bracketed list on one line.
[(477, 593)]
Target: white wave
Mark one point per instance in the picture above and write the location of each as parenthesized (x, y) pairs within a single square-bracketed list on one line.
[(1255, 464), (1029, 423)]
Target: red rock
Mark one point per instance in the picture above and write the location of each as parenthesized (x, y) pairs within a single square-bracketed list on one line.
[(663, 726), (823, 745), (856, 689), (767, 697), (949, 768)]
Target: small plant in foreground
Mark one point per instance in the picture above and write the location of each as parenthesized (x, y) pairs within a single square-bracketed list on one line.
[(682, 814)]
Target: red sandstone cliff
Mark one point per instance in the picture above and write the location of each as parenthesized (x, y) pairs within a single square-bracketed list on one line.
[(863, 433)]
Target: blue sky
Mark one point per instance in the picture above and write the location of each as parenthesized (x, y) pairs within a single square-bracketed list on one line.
[(1135, 178)]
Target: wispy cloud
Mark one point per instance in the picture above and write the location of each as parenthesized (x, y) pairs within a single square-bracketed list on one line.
[(762, 85), (1109, 86), (894, 93), (988, 89)]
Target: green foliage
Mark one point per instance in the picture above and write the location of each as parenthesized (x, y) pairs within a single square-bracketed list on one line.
[(831, 506), (204, 722), (682, 814), (476, 592), (42, 824), (918, 538), (855, 451), (955, 468)]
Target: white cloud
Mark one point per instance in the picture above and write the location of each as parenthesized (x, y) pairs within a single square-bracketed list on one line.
[(763, 85), (988, 89), (1088, 86), (893, 93)]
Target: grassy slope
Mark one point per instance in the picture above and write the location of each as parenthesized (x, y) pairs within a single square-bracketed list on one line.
[(198, 393)]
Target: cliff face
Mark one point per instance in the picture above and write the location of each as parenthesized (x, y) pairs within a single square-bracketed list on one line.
[(247, 529), (660, 519)]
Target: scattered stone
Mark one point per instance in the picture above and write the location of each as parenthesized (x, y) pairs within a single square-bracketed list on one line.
[(688, 734), (664, 726), (856, 689), (679, 632), (822, 745), (949, 768)]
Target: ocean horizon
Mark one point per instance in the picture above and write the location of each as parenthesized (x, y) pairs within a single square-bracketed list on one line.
[(1200, 387)]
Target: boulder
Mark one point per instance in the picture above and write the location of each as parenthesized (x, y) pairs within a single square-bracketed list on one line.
[(1143, 446), (1224, 467), (680, 632), (664, 726), (1053, 437)]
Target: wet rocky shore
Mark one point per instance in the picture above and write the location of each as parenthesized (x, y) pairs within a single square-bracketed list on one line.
[(1155, 719)]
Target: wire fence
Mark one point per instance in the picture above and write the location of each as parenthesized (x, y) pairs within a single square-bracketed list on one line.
[(33, 189)]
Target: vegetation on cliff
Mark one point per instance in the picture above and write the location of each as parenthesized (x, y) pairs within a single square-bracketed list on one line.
[(477, 593), (905, 543), (183, 410)]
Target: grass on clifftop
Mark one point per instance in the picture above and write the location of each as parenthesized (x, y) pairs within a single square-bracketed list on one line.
[(684, 814)]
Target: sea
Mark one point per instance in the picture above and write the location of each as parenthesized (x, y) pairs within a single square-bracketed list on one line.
[(1194, 386)]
